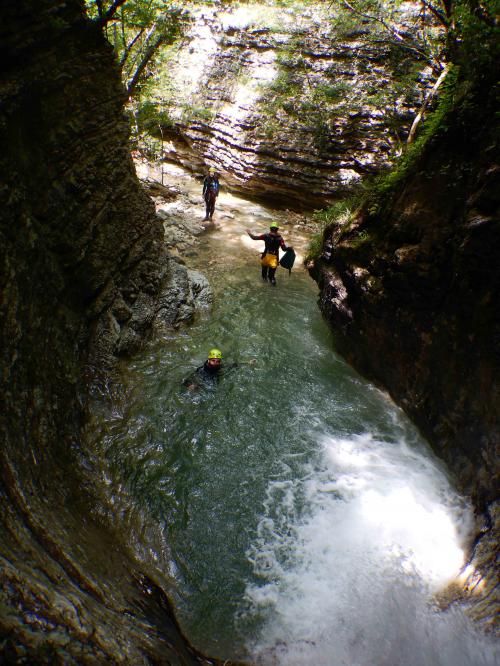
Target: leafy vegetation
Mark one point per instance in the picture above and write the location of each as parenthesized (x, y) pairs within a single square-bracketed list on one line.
[(144, 34), (367, 27), (473, 42), (137, 29), (340, 214), (375, 194)]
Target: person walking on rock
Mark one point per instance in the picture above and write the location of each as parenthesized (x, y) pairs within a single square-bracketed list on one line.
[(210, 192), (273, 241)]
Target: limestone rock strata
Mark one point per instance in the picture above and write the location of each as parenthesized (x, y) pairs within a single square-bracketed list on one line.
[(410, 288), (84, 276), (287, 112)]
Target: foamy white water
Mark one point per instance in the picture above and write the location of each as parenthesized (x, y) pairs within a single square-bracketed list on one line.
[(351, 582)]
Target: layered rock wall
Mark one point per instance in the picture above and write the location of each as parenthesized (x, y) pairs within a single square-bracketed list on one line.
[(286, 105), (84, 276)]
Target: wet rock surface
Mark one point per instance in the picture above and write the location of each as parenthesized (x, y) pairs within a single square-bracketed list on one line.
[(86, 276)]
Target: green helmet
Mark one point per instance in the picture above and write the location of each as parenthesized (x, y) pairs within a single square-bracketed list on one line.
[(274, 225), (211, 170), (214, 353)]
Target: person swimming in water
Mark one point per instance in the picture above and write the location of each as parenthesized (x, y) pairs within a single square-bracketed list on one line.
[(209, 373)]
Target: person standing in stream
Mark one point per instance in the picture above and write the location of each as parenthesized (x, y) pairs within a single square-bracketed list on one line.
[(273, 241), (211, 189)]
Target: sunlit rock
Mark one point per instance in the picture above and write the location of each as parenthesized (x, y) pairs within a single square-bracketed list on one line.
[(282, 102)]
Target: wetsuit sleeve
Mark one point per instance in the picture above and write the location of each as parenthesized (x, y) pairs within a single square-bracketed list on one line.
[(194, 378), (282, 245), (191, 381), (260, 237), (204, 186)]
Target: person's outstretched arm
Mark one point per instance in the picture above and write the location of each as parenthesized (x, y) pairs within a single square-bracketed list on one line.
[(254, 237)]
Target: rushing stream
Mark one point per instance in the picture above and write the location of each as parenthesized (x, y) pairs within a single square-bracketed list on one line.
[(308, 523)]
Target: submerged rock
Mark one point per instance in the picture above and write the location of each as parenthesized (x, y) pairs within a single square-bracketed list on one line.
[(200, 288)]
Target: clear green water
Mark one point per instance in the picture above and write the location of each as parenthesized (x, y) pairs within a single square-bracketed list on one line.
[(262, 486)]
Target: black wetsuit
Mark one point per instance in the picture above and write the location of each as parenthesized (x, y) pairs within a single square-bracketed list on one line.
[(210, 193), (207, 375)]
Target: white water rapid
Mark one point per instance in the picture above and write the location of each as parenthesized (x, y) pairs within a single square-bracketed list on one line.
[(353, 583)]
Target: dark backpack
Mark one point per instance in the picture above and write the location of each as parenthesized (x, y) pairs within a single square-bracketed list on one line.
[(287, 260)]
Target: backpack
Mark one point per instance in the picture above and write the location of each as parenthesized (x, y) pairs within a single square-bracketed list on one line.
[(287, 260)]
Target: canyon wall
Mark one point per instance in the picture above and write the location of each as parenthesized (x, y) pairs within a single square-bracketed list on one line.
[(410, 282), (84, 279), (288, 103)]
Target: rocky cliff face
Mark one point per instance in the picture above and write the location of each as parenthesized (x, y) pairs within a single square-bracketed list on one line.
[(84, 278), (410, 286), (285, 102)]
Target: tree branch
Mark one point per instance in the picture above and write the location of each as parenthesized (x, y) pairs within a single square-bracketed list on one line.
[(148, 54), (152, 29), (127, 50), (377, 19), (106, 18), (448, 5), (435, 12), (404, 40), (420, 114)]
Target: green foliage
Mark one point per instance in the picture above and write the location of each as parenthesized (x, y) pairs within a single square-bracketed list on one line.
[(297, 93), (376, 195), (332, 92), (340, 214), (392, 25), (315, 247), (378, 191), (405, 41), (137, 30), (197, 114), (341, 211), (152, 118), (474, 38), (476, 50)]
